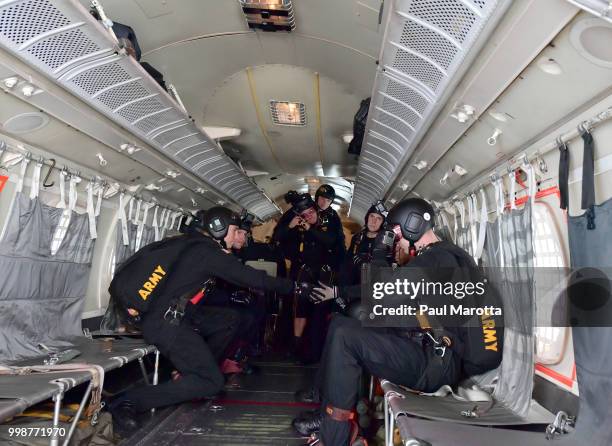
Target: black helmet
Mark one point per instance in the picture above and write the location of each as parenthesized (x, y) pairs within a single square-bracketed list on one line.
[(302, 203), (377, 208), (414, 216), (217, 220), (325, 190)]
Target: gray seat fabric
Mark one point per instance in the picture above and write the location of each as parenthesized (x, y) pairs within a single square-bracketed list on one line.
[(593, 345), (18, 392), (449, 434), (447, 408)]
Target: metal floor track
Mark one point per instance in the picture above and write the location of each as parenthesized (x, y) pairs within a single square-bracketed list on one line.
[(255, 410)]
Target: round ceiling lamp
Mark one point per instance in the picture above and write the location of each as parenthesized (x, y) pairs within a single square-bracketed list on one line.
[(591, 38), (26, 122)]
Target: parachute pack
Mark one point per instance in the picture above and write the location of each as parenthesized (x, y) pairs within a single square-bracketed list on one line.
[(143, 277)]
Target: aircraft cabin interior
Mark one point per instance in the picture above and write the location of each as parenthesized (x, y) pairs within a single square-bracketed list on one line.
[(206, 206)]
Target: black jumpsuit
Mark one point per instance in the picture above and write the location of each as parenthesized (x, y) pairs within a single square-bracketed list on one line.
[(387, 353), (183, 344)]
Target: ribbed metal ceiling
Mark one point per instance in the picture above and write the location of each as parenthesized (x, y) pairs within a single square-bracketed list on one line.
[(425, 43), (63, 41)]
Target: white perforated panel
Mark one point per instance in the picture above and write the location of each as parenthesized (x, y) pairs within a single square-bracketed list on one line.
[(425, 43), (63, 41)]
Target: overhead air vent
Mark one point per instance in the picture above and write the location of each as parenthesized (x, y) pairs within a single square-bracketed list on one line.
[(288, 113), (269, 15), (64, 42), (425, 47)]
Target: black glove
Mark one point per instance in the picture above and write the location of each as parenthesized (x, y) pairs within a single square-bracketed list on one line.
[(302, 290), (324, 292), (384, 246)]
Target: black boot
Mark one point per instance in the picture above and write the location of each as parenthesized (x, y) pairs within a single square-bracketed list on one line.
[(307, 423), (310, 395), (125, 415)]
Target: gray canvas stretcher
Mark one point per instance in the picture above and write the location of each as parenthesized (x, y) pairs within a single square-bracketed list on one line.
[(18, 392), (419, 432), (400, 404)]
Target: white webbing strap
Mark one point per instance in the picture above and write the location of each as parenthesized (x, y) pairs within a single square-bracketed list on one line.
[(499, 196), (173, 220), (178, 222), (35, 188), (91, 211), (141, 225), (482, 230), (473, 215), (454, 225), (136, 219), (24, 167), (531, 181), (123, 220), (73, 194), (155, 224), (461, 208), (64, 223), (162, 231), (512, 192), (62, 185), (165, 223), (99, 200), (131, 209)]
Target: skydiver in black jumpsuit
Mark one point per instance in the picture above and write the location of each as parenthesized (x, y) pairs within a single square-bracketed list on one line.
[(179, 339)]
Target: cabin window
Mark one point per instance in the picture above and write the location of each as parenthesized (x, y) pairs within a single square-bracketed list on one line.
[(547, 246), (550, 341)]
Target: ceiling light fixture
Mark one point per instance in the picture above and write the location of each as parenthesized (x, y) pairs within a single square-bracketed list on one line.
[(459, 170), (550, 66), (10, 82), (463, 113), (172, 174), (422, 164), (288, 113)]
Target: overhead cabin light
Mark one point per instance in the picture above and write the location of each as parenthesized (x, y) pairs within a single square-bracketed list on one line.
[(288, 113), (10, 82), (28, 90), (220, 202), (463, 113), (347, 138), (459, 170), (180, 189), (153, 186), (172, 174), (549, 66), (269, 15), (404, 187), (201, 190), (420, 164)]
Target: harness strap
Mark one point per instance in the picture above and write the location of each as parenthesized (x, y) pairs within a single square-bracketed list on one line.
[(337, 414)]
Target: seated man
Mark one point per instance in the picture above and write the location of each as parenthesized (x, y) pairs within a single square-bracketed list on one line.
[(398, 355), (156, 284)]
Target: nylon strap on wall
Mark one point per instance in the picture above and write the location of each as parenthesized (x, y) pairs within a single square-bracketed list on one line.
[(22, 172), (123, 220), (35, 188)]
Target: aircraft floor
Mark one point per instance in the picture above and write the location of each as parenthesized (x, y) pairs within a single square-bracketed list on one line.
[(255, 410)]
